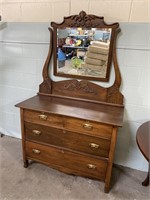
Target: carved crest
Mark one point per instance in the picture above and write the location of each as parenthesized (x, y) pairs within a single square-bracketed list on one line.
[(83, 20)]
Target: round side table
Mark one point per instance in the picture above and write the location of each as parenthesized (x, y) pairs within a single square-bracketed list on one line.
[(143, 142)]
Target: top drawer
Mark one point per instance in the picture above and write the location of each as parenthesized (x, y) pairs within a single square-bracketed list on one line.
[(43, 118), (88, 127), (69, 123)]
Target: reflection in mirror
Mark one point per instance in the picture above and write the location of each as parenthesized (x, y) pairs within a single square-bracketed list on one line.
[(83, 51)]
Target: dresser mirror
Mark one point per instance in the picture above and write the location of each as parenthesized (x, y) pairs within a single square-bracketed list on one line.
[(83, 47)]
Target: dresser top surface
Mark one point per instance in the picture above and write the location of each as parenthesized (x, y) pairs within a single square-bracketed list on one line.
[(98, 112)]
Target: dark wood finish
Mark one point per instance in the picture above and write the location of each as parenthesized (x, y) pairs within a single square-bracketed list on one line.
[(96, 112), (67, 159), (146, 181), (25, 161), (72, 125), (67, 139), (51, 120), (142, 138), (111, 157), (88, 127), (85, 128)]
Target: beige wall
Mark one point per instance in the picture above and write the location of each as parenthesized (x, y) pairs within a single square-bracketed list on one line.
[(48, 10)]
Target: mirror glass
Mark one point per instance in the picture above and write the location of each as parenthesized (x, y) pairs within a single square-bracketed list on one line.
[(83, 51)]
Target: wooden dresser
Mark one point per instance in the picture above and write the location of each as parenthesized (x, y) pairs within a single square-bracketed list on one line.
[(71, 125), (73, 136)]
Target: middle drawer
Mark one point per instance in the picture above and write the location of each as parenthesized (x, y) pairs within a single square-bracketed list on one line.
[(67, 139)]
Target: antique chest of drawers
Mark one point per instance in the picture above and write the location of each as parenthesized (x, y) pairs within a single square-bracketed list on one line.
[(72, 124), (72, 136)]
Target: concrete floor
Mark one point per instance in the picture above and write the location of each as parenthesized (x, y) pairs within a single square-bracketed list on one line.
[(39, 182)]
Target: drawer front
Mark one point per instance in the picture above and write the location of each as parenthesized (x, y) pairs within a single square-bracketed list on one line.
[(67, 139), (43, 118), (70, 124), (89, 127), (76, 163)]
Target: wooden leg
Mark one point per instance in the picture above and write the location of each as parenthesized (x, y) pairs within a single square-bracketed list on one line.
[(26, 163), (107, 181), (1, 134), (110, 161), (106, 189), (146, 181)]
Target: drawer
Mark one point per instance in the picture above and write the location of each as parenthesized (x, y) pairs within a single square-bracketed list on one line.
[(89, 127), (43, 118), (72, 140), (67, 161)]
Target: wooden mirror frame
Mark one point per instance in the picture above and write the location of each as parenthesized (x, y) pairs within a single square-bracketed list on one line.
[(84, 89), (84, 21)]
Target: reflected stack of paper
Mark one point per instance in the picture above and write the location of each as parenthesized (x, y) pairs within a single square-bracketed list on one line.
[(96, 58)]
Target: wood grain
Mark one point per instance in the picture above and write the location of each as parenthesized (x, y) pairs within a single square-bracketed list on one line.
[(67, 139), (96, 112), (67, 159)]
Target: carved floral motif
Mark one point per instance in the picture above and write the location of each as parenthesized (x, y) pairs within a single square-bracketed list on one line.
[(80, 87)]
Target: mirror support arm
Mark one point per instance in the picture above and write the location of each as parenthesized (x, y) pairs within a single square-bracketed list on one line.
[(113, 94), (46, 85), (116, 68), (47, 62)]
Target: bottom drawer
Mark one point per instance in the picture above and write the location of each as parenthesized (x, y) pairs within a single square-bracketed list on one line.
[(67, 161)]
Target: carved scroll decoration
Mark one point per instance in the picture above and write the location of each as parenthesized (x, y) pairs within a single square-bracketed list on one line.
[(84, 20)]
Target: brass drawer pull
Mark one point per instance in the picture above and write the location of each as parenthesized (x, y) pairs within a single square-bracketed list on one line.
[(87, 126), (43, 117), (36, 151), (93, 145), (90, 166), (36, 132)]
